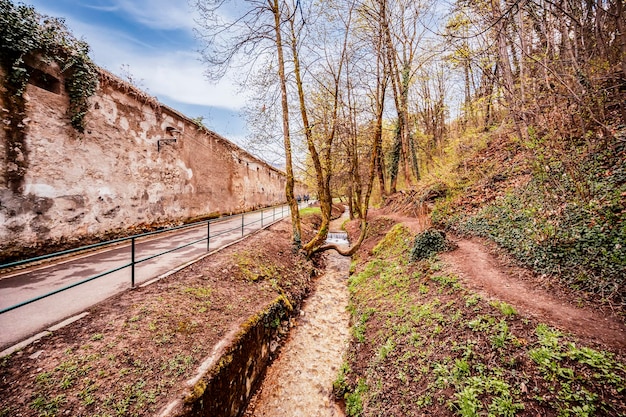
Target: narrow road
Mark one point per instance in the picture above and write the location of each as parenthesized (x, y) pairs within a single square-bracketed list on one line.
[(15, 288)]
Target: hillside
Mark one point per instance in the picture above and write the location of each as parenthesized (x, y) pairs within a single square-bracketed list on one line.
[(523, 314), (558, 208)]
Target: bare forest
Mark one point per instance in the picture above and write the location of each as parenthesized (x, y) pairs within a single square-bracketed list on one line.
[(374, 92)]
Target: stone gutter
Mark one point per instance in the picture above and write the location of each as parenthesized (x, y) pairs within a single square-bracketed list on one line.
[(226, 380)]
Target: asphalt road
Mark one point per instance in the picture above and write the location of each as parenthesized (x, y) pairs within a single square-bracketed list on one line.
[(18, 324)]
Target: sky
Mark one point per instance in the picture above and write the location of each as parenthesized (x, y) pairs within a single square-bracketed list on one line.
[(153, 41)]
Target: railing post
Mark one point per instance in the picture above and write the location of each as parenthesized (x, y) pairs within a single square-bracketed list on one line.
[(132, 261), (242, 215), (208, 235)]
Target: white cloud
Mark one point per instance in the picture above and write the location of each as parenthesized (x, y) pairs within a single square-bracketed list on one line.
[(178, 75), (156, 14), (175, 74)]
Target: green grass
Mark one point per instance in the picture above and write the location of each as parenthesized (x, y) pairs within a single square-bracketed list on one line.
[(354, 400), (307, 211), (340, 385), (255, 268), (78, 375), (199, 292), (426, 344), (573, 370), (506, 309)]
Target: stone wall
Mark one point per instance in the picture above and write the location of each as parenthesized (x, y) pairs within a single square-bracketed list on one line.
[(229, 377), (124, 171)]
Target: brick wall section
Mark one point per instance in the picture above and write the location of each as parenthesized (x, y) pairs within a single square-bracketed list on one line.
[(114, 177)]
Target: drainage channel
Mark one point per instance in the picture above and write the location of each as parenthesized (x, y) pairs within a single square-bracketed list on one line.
[(299, 382)]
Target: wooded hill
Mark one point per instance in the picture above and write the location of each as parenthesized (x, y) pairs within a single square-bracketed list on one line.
[(542, 172), (377, 93)]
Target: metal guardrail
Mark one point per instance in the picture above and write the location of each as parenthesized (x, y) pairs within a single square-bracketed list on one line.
[(133, 261)]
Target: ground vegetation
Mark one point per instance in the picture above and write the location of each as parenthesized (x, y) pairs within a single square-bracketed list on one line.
[(131, 355)]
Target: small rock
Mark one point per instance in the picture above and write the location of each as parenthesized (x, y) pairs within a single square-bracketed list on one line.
[(36, 354)]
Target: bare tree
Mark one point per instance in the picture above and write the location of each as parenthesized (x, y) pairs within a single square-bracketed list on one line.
[(255, 30), (559, 67), (403, 32), (320, 84), (321, 135)]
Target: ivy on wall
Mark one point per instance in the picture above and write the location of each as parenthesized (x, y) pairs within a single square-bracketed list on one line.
[(24, 32)]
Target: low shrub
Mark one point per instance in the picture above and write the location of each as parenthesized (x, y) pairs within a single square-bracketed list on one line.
[(428, 243)]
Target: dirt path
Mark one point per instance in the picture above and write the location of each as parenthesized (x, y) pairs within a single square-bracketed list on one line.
[(300, 381), (482, 271)]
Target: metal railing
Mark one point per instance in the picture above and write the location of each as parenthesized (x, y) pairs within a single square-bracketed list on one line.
[(278, 212)]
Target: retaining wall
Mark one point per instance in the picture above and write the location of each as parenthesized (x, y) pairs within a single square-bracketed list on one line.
[(229, 377)]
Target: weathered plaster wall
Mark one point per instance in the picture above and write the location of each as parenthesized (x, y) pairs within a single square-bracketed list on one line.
[(113, 176)]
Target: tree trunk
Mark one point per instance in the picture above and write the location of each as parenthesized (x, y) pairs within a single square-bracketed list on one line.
[(290, 184), (323, 184), (621, 27), (504, 63), (396, 155)]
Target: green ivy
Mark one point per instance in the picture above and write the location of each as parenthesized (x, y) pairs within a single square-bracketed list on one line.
[(24, 32), (567, 223), (428, 243)]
